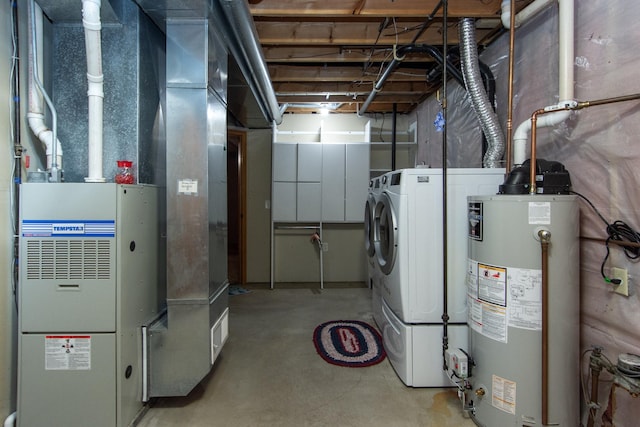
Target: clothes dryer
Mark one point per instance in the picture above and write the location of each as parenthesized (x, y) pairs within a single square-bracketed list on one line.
[(408, 239), (408, 248), (372, 266)]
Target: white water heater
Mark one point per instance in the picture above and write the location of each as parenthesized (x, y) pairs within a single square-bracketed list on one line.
[(524, 319)]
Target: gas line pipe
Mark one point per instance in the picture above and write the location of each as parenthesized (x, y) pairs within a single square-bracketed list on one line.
[(570, 105)]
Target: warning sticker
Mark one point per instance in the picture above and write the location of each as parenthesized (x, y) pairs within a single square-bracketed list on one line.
[(488, 319), (492, 284), (487, 300), (67, 352), (503, 394)]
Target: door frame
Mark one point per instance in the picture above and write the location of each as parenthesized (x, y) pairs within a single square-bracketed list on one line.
[(239, 138)]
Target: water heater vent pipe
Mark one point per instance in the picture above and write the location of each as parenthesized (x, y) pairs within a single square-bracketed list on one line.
[(565, 79), (92, 29)]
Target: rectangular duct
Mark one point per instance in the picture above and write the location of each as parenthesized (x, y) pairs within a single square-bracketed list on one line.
[(183, 343)]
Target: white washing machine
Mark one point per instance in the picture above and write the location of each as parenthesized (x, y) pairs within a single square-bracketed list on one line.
[(408, 250), (372, 266)]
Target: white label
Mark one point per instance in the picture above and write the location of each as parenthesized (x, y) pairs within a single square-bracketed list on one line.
[(487, 300), (67, 352), (472, 278), (488, 319), (503, 394), (539, 212), (525, 298), (187, 186)]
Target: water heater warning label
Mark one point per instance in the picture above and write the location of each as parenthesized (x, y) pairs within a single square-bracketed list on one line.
[(503, 394), (502, 297), (67, 352)]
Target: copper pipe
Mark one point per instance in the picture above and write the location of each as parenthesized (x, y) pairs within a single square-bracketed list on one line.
[(545, 238), (532, 170), (512, 43), (575, 106)]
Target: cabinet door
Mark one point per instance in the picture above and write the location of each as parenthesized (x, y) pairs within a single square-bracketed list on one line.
[(333, 175), (357, 180), (309, 162), (283, 201), (309, 202), (284, 162)]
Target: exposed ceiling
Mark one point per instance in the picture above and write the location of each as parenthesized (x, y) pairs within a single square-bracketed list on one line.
[(333, 51)]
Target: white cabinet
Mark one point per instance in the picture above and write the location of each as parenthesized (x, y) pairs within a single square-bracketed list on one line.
[(321, 181), (309, 202), (333, 182), (285, 162), (309, 162), (284, 201), (356, 181)]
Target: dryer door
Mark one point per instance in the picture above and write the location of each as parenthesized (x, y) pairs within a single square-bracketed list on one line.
[(385, 234), (369, 225)]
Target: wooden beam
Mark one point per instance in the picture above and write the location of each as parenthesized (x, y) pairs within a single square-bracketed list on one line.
[(323, 54), (287, 73), (375, 8), (360, 88), (352, 34)]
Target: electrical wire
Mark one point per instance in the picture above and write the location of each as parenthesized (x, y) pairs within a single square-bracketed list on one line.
[(618, 231)]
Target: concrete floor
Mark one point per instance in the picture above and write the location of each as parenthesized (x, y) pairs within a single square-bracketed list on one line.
[(269, 373)]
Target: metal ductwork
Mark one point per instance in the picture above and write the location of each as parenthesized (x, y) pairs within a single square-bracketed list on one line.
[(233, 21), (479, 99), (183, 344), (241, 38)]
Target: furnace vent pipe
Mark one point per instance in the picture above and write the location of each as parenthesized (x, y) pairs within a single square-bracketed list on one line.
[(242, 39), (400, 53), (10, 421), (479, 99), (95, 93), (565, 77), (37, 94)]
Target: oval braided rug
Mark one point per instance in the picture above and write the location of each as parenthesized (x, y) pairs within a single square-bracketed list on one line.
[(349, 343)]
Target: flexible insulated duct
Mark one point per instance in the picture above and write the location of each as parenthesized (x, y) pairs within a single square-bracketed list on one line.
[(479, 99)]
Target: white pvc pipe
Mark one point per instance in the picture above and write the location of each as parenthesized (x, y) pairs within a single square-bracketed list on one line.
[(95, 78), (10, 421), (524, 15), (566, 84), (36, 93)]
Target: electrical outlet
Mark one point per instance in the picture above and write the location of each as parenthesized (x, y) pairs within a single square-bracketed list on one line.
[(325, 246), (623, 276)]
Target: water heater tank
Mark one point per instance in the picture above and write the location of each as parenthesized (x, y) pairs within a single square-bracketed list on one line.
[(520, 378)]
